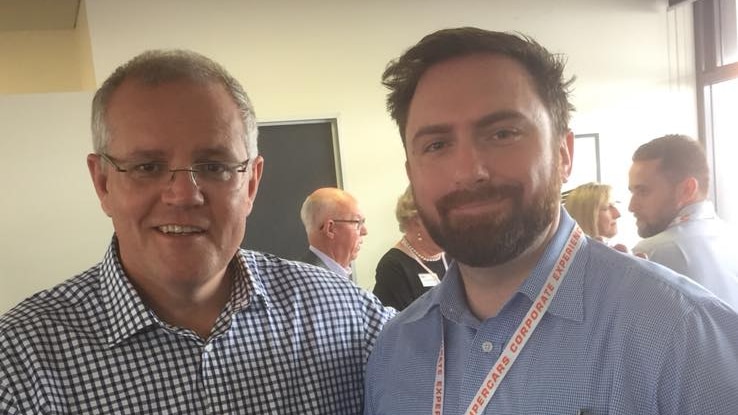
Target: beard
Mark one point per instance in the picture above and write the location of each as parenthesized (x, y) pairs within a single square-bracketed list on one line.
[(658, 225), (495, 238)]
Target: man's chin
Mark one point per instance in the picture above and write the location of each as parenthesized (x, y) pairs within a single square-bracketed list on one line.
[(646, 231)]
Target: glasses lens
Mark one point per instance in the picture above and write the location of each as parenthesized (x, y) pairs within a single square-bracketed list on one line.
[(146, 173)]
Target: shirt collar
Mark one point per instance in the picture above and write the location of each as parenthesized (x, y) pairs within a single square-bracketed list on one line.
[(568, 302), (449, 297), (124, 309), (331, 263), (699, 210), (127, 314)]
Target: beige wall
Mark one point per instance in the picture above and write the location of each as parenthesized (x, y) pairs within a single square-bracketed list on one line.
[(317, 59), (46, 60)]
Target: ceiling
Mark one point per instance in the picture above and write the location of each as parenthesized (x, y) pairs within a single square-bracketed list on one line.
[(25, 15)]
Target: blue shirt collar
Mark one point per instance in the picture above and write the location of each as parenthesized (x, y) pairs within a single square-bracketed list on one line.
[(448, 297), (331, 263)]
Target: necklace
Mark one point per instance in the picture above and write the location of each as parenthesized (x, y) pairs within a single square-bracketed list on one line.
[(432, 258)]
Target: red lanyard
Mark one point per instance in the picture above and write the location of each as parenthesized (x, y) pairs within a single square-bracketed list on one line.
[(687, 217), (519, 340)]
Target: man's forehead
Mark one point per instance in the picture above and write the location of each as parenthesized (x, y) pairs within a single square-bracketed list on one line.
[(647, 167), (479, 85)]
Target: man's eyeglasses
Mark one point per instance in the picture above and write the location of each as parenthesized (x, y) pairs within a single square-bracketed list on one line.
[(357, 222), (203, 174)]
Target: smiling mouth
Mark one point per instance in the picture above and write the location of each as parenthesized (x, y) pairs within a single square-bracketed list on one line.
[(489, 204), (179, 229)]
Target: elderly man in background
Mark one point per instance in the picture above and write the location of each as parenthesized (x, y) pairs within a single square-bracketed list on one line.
[(669, 182), (176, 318), (335, 228)]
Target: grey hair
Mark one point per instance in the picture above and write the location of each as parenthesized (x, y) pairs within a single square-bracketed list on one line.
[(157, 67), (321, 205), (315, 209)]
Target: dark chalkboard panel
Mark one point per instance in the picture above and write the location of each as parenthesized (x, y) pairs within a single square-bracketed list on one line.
[(299, 157)]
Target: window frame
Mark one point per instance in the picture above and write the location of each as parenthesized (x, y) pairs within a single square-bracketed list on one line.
[(715, 29)]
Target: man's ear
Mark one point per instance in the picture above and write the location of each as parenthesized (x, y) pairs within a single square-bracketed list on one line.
[(687, 191), (566, 156), (99, 180), (328, 228), (257, 168)]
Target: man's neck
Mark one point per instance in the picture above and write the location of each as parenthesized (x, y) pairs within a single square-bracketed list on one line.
[(489, 289), (194, 308)]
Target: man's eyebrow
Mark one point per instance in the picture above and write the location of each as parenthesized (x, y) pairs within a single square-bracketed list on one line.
[(497, 117), (432, 129), (478, 124), (145, 155), (219, 151)]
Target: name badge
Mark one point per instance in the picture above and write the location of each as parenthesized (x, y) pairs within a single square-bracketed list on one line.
[(429, 279)]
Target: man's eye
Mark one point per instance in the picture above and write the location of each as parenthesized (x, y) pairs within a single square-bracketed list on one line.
[(502, 135), (434, 146), (213, 168), (147, 168)]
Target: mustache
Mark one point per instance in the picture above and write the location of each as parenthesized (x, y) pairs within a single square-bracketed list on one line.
[(481, 193)]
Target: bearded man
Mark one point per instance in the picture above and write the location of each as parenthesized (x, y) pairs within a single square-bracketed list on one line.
[(532, 317)]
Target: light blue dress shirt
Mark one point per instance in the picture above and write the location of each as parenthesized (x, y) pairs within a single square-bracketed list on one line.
[(701, 247), (331, 263), (622, 336)]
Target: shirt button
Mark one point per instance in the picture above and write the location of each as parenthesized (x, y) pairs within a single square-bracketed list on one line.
[(208, 347), (487, 347)]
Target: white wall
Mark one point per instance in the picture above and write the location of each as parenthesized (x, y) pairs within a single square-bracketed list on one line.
[(50, 225), (316, 59)]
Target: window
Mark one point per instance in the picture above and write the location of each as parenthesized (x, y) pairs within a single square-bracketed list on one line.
[(716, 51)]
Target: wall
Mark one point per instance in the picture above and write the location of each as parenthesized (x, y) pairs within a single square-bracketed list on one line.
[(320, 59), (50, 224), (46, 60)]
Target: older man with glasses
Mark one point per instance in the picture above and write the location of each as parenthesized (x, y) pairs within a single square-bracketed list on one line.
[(177, 318), (335, 229)]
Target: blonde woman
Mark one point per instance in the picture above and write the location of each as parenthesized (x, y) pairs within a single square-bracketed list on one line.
[(414, 264), (592, 207)]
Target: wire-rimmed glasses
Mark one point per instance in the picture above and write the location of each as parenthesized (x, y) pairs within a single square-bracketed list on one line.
[(357, 222), (203, 174)]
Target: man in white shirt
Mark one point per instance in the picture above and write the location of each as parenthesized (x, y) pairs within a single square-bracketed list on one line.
[(669, 180), (335, 228)]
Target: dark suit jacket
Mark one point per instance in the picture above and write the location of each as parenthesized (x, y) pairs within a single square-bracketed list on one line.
[(313, 259)]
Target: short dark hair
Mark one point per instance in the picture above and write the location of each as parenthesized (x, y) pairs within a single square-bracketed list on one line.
[(547, 70), (680, 156)]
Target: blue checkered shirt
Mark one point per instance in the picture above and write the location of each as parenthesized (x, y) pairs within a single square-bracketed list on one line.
[(623, 336), (293, 339)]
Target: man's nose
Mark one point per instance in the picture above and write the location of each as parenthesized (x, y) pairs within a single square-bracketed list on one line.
[(182, 188), (470, 164), (632, 205)]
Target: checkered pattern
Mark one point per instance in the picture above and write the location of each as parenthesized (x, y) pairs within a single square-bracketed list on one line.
[(294, 339)]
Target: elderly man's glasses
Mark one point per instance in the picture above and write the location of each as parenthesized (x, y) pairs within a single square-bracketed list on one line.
[(358, 223), (209, 173)]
